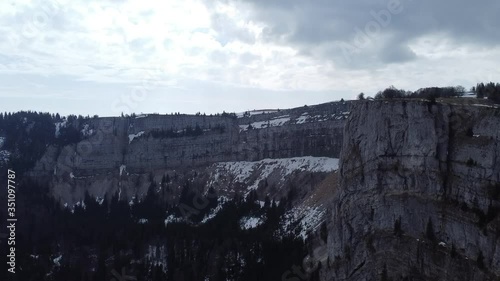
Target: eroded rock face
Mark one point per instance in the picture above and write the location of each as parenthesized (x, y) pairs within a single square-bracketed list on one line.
[(418, 194), (120, 154)]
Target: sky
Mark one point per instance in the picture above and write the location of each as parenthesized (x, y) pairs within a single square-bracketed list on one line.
[(106, 57)]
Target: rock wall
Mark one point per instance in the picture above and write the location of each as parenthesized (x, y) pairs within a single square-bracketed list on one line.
[(122, 152), (418, 194)]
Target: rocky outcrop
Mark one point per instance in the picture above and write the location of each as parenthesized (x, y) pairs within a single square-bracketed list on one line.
[(418, 193)]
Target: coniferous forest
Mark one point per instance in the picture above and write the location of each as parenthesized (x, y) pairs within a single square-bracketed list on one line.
[(103, 240)]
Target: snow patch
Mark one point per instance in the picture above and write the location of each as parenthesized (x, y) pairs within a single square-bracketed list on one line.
[(57, 261), (250, 222), (86, 131), (60, 125), (4, 156), (157, 256), (143, 221), (131, 202), (279, 121), (131, 137), (222, 200), (302, 119), (141, 116), (2, 141), (261, 203), (275, 122), (468, 95), (172, 219), (80, 203), (483, 105), (123, 168), (312, 219), (252, 173), (306, 219), (244, 127), (99, 200), (305, 118)]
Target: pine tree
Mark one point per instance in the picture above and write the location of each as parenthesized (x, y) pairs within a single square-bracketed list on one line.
[(429, 231)]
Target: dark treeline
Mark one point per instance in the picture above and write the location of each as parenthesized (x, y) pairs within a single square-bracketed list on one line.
[(425, 93), (490, 91), (28, 134), (223, 114), (187, 132)]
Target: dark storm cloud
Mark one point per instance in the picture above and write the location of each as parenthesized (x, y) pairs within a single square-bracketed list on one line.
[(388, 25), (397, 54)]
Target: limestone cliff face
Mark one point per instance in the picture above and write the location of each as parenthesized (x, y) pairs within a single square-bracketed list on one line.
[(121, 153), (418, 193)]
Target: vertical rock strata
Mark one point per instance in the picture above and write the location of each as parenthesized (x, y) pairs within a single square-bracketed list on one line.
[(419, 194)]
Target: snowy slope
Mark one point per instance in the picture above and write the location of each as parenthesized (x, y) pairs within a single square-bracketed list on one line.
[(252, 173)]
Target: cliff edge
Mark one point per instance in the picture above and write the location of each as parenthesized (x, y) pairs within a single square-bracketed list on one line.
[(418, 197)]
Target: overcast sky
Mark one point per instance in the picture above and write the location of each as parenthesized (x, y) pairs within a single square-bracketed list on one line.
[(107, 57)]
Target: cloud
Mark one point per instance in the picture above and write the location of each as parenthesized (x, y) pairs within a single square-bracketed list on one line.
[(325, 23), (194, 49), (228, 30), (397, 53)]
